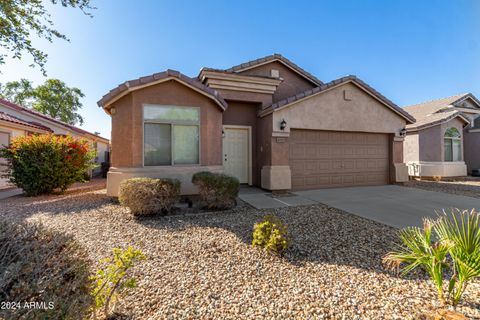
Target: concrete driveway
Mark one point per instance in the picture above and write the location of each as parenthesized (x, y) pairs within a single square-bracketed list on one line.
[(392, 205)]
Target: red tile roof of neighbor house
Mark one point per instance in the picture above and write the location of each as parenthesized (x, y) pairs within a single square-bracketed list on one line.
[(141, 82), (17, 107), (333, 83), (433, 112), (9, 118)]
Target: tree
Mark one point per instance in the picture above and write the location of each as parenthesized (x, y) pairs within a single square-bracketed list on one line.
[(20, 18), (19, 92), (53, 98)]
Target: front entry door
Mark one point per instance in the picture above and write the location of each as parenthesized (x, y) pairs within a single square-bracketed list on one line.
[(235, 153)]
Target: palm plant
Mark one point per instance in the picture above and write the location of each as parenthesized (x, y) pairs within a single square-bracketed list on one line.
[(462, 228), (456, 246), (421, 252)]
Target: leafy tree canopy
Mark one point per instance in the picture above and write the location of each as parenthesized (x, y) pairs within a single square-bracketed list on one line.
[(19, 19), (52, 98)]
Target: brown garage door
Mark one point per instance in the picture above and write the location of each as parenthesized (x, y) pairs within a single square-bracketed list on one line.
[(323, 159)]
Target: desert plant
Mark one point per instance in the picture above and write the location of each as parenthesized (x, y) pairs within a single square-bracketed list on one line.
[(147, 196), (420, 251), (219, 191), (271, 234), (110, 282), (454, 246), (44, 268), (437, 178), (462, 229), (44, 163)]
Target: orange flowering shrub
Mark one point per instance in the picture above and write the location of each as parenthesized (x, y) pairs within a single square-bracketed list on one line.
[(40, 164)]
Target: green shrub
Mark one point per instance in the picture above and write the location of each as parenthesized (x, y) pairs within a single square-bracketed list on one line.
[(111, 282), (148, 196), (271, 234), (452, 242), (40, 164), (218, 191), (40, 266)]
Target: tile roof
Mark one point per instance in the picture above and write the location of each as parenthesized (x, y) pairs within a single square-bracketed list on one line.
[(333, 83), (9, 118), (273, 57), (436, 118), (41, 115), (424, 109), (436, 111), (132, 84)]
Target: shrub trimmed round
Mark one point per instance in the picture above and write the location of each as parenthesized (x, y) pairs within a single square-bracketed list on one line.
[(149, 196), (271, 234), (41, 164), (219, 191), (41, 266)]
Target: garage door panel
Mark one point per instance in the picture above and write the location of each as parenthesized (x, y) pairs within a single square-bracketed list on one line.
[(322, 159)]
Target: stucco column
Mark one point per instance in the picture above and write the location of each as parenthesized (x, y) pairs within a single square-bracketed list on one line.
[(399, 172), (277, 175)]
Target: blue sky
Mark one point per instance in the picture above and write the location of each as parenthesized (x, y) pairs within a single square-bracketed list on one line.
[(410, 51)]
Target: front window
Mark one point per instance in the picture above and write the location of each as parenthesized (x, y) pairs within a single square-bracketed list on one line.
[(452, 143), (171, 135)]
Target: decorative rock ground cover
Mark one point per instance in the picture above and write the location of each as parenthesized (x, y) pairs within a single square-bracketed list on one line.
[(203, 266), (469, 188)]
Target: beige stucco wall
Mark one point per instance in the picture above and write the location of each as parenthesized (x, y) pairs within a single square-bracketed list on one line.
[(330, 111), (183, 174), (411, 147)]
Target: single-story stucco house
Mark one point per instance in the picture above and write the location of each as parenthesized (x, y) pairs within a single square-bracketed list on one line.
[(445, 140), (267, 122), (16, 120)]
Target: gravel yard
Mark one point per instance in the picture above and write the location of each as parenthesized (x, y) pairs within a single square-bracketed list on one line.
[(469, 188), (203, 266)]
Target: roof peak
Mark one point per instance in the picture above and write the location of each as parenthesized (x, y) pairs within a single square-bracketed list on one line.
[(275, 56)]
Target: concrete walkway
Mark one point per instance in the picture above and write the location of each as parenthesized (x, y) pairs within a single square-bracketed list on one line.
[(7, 193), (392, 205)]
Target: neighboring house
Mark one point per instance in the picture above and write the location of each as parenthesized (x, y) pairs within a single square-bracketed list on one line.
[(16, 120), (445, 140), (267, 122)]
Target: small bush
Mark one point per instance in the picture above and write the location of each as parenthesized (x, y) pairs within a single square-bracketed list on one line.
[(111, 282), (40, 164), (272, 235), (437, 178), (148, 196), (218, 191), (40, 266)]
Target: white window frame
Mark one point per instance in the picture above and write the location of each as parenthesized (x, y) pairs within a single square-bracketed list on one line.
[(172, 123), (459, 138)]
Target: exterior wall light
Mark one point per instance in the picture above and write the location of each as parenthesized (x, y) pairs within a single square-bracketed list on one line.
[(223, 133), (283, 125), (113, 111), (403, 132)]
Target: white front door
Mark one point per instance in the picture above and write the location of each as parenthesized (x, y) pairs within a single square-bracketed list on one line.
[(236, 153)]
